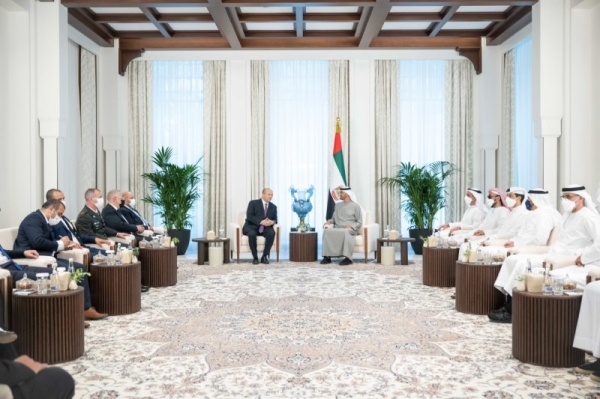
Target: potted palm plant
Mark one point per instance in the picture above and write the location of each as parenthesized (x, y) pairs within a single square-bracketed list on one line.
[(175, 190), (422, 192)]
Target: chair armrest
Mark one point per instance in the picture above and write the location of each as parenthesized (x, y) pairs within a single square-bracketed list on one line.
[(495, 242), (159, 230), (372, 233), (129, 240), (560, 261), (529, 249), (232, 234), (79, 255), (41, 261), (147, 233)]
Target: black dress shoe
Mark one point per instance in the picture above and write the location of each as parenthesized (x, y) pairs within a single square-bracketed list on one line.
[(588, 368), (255, 261), (264, 260), (504, 317), (145, 288), (326, 260), (346, 262), (7, 337)]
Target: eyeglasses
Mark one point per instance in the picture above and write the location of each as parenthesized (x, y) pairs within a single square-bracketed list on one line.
[(569, 196)]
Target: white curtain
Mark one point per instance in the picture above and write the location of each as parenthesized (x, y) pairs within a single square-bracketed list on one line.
[(524, 151), (459, 134), (386, 141), (215, 144), (88, 84), (504, 170), (422, 137), (339, 106), (259, 104), (139, 77), (177, 119), (298, 144)]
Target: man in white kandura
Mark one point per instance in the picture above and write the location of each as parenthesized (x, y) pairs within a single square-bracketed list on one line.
[(494, 219), (472, 217), (579, 238), (340, 231), (587, 335)]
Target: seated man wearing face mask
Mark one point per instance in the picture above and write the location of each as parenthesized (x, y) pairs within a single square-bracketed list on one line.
[(90, 221), (134, 217), (579, 237), (115, 219), (473, 216)]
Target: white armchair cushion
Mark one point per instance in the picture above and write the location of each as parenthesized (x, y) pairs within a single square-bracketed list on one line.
[(234, 230), (130, 239), (148, 233), (41, 261), (78, 255), (366, 238), (560, 261)]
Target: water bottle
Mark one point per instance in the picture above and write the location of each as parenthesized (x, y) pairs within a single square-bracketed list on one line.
[(386, 232), (54, 282), (547, 287), (71, 267), (479, 255), (528, 265)]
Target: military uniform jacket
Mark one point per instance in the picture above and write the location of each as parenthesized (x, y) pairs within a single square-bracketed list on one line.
[(91, 222)]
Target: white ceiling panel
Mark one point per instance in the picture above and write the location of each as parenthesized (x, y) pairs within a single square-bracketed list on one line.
[(140, 26), (116, 10), (417, 9), (179, 26), (182, 10), (482, 8), (266, 10), (405, 25), (331, 9), (329, 25), (270, 26), (466, 25)]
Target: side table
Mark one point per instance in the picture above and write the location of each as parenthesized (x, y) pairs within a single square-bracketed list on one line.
[(159, 266), (439, 266), (303, 246), (475, 291), (49, 327), (203, 244), (403, 248), (116, 290), (543, 328), (6, 287)]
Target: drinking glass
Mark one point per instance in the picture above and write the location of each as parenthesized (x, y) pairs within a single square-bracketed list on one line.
[(221, 232), (557, 288)]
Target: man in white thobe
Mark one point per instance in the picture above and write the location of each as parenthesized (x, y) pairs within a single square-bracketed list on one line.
[(579, 237), (494, 219), (472, 217), (339, 232), (587, 334)]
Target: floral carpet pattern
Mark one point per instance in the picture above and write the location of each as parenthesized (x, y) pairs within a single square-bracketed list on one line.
[(302, 330)]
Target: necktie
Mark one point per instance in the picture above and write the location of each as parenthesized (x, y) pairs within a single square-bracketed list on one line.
[(9, 259), (262, 228)]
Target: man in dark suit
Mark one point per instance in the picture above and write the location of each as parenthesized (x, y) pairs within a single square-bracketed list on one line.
[(66, 228), (90, 221), (34, 234), (261, 216), (134, 217), (115, 219)]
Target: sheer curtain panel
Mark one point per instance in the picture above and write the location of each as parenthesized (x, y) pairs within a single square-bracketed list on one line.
[(259, 104), (504, 170)]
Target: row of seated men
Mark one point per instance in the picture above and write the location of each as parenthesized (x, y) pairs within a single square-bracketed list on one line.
[(523, 222), (47, 231)]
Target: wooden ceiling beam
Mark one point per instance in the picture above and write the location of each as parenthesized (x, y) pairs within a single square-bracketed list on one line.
[(235, 20), (275, 17), (478, 16), (375, 22), (252, 34), (180, 43), (299, 23), (152, 15), (83, 23), (447, 13), (426, 42), (446, 3), (129, 34), (164, 18), (436, 17), (365, 13), (304, 3), (517, 21), (132, 3), (300, 43), (423, 33), (224, 23)]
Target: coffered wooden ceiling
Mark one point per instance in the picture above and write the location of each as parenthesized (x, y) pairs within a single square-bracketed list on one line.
[(318, 24)]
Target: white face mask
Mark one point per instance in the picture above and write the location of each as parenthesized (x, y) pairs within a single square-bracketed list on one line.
[(510, 202), (54, 221), (489, 202), (468, 201), (99, 202), (567, 205), (132, 202), (64, 203)]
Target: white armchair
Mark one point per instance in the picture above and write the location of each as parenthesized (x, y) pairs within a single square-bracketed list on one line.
[(537, 249), (366, 238), (239, 241)]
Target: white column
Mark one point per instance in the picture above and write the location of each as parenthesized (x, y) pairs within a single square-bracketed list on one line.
[(112, 145), (51, 38), (548, 37)]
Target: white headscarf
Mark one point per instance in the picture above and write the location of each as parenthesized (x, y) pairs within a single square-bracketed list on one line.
[(540, 197), (580, 190), (519, 190), (479, 201), (350, 193)]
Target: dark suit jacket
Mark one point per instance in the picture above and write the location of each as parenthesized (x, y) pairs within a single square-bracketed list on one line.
[(115, 220), (13, 373), (256, 214), (61, 230), (35, 233), (10, 265), (132, 217), (90, 222)]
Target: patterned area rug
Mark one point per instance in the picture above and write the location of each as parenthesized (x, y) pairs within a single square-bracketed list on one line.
[(294, 330)]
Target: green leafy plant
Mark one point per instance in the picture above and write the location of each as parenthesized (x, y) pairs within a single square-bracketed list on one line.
[(422, 190), (135, 252), (175, 240), (78, 275), (175, 189)]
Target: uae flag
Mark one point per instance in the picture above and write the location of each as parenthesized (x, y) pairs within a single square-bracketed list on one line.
[(337, 171)]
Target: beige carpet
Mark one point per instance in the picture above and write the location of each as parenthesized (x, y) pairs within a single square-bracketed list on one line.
[(294, 330)]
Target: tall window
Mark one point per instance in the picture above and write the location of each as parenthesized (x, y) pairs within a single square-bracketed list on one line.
[(524, 162), (178, 119), (422, 114), (298, 138)]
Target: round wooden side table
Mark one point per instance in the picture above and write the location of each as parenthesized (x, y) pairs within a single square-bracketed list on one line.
[(303, 246), (439, 266), (475, 291), (543, 329), (50, 326), (159, 266), (116, 289)]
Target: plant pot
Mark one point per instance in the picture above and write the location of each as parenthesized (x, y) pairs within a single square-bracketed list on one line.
[(184, 239), (521, 285), (417, 245)]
